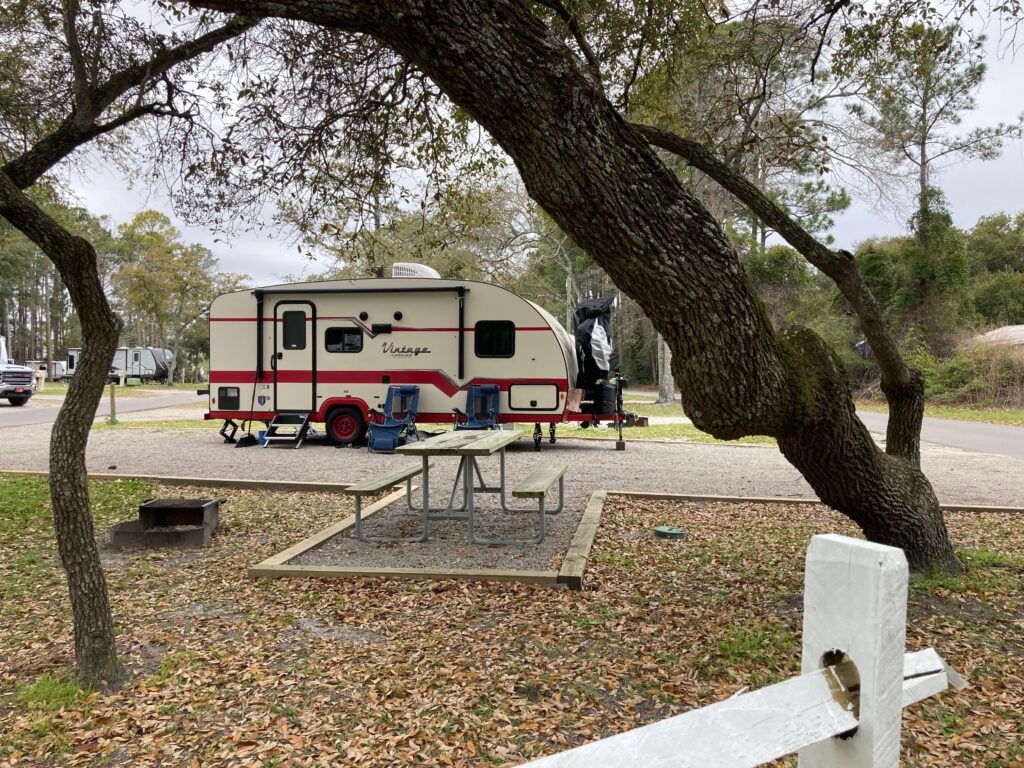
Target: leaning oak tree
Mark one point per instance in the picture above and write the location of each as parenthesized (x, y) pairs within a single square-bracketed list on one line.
[(102, 71), (599, 179)]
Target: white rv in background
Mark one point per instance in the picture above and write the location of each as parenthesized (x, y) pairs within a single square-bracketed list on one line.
[(330, 350), (146, 363)]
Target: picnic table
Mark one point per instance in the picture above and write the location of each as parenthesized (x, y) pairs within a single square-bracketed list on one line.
[(468, 446)]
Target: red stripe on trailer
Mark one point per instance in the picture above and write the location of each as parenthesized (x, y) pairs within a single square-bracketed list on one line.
[(431, 418), (424, 378), (394, 328)]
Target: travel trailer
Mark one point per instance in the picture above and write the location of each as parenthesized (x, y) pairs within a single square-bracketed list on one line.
[(330, 350), (146, 363)]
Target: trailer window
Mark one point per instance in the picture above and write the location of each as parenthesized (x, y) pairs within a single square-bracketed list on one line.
[(495, 338), (294, 330), (344, 339)]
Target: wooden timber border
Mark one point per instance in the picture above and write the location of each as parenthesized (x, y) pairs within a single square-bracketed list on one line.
[(204, 482), (570, 575), (711, 499), (575, 561), (279, 565)]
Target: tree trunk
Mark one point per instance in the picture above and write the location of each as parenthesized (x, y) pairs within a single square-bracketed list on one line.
[(603, 185), (666, 384), (95, 652)]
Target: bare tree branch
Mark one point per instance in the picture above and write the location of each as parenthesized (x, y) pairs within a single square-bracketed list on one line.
[(80, 126), (81, 84)]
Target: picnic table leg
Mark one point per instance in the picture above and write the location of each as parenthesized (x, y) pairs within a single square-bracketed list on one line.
[(426, 497), (504, 501), (540, 534), (359, 518), (426, 488), (467, 490)]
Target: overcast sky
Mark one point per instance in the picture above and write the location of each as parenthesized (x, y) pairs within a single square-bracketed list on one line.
[(973, 189)]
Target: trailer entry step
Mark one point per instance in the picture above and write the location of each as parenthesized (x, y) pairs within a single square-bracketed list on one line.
[(295, 424)]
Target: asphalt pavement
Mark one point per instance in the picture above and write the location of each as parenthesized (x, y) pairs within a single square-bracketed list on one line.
[(978, 436), (998, 439), (43, 410), (967, 435)]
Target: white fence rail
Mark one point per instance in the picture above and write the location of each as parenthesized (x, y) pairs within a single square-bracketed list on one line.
[(856, 678)]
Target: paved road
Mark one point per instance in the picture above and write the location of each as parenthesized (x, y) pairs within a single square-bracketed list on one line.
[(44, 411), (966, 435), (978, 436)]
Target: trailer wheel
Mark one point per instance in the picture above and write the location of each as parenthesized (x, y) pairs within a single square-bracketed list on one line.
[(345, 426), (17, 400)]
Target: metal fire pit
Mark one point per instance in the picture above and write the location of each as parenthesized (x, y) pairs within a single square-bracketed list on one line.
[(172, 523)]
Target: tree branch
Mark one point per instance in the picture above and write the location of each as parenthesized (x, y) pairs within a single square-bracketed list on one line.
[(81, 76), (80, 126), (898, 379), (581, 40)]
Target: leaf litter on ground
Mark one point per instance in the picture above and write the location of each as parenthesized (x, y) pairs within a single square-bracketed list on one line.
[(225, 670)]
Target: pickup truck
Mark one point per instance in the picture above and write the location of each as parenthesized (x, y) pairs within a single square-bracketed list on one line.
[(17, 382)]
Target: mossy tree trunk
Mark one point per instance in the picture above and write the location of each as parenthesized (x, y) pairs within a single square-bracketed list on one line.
[(601, 182)]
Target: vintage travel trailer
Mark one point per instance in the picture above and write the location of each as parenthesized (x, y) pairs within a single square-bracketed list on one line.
[(330, 350)]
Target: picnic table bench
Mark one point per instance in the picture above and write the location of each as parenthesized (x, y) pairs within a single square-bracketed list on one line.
[(384, 482), (537, 486)]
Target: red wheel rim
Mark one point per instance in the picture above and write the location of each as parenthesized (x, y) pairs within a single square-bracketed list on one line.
[(344, 426)]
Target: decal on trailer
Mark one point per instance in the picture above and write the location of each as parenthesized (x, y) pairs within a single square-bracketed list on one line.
[(389, 348)]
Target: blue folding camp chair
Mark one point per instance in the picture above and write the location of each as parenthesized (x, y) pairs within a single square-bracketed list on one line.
[(482, 407), (397, 422)]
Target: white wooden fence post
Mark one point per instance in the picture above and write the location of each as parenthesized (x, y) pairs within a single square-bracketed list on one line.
[(855, 601)]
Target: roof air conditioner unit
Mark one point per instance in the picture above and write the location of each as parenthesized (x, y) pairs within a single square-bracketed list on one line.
[(408, 269)]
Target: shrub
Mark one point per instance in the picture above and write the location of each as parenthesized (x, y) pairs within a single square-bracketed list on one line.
[(981, 374)]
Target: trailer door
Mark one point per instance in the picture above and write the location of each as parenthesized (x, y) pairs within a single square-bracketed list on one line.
[(294, 358)]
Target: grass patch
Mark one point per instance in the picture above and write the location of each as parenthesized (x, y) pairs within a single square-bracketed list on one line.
[(50, 692), (1010, 416), (985, 571), (632, 400), (157, 424), (677, 432), (762, 646), (60, 388), (653, 409)]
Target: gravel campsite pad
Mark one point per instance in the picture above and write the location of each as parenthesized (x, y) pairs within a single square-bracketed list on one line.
[(226, 670), (448, 546)]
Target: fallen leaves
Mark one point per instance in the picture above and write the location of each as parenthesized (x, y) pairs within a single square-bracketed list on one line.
[(230, 671)]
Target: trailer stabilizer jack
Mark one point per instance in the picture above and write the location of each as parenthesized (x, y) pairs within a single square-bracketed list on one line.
[(228, 431)]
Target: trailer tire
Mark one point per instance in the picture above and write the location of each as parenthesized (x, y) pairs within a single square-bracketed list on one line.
[(345, 426), (17, 400)]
